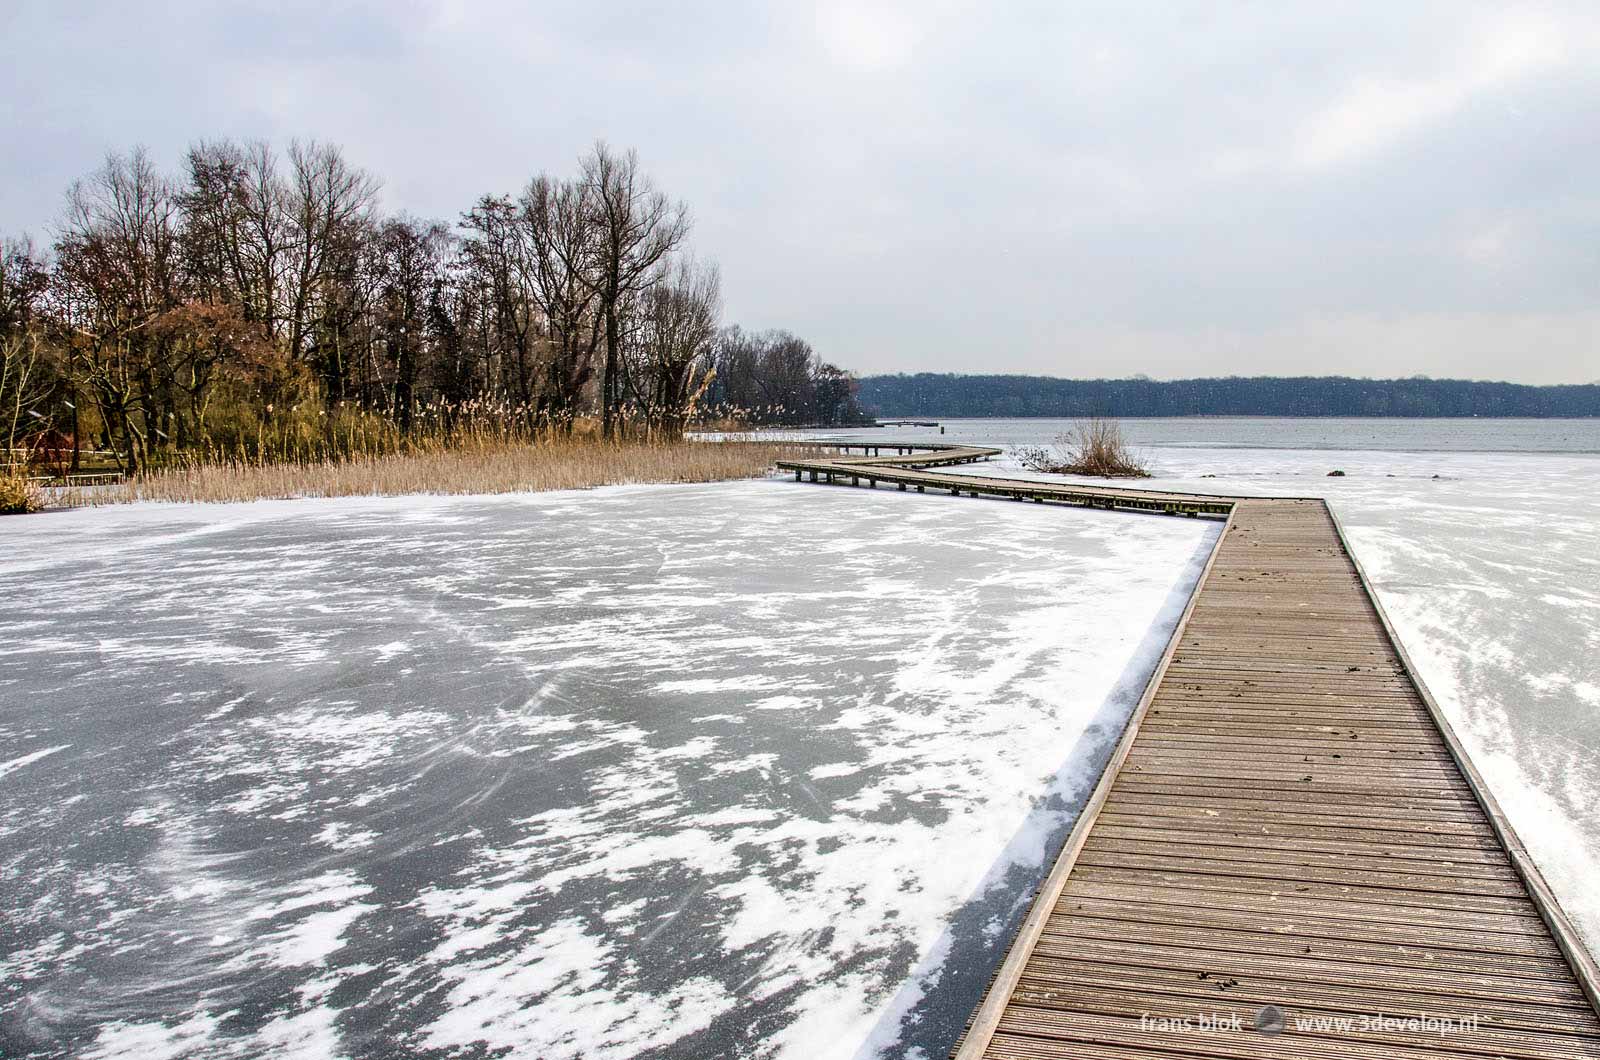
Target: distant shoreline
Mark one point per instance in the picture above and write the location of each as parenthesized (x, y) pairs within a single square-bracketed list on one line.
[(951, 396)]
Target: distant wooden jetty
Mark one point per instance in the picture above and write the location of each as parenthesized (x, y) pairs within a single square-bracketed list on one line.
[(1288, 821)]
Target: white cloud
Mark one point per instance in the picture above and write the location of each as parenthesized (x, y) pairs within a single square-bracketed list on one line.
[(873, 38), (1378, 110), (1491, 244)]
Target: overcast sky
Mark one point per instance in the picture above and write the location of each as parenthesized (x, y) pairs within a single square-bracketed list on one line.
[(1369, 188)]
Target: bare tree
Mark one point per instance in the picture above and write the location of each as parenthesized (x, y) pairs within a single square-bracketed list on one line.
[(236, 233), (24, 279), (207, 341), (412, 257), (678, 327), (498, 253), (330, 204), (25, 386), (775, 377), (737, 357), (563, 241), (635, 228), (25, 382), (118, 266), (784, 378), (457, 312)]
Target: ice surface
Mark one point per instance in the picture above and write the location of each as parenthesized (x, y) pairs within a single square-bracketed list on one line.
[(750, 769)]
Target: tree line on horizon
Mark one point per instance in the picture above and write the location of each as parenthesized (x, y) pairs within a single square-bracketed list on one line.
[(263, 304), (956, 395)]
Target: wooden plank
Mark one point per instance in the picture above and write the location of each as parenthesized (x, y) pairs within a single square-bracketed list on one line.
[(1352, 844), (1213, 871), (1300, 825), (1319, 928), (1268, 904), (1418, 796), (1334, 805)]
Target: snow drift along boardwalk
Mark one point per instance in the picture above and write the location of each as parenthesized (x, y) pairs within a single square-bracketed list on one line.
[(1288, 821)]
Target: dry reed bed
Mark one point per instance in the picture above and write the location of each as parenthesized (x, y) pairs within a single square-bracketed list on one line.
[(1093, 446), (503, 468)]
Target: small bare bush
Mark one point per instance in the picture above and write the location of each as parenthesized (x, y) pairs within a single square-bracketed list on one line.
[(551, 464), (18, 495), (1092, 447)]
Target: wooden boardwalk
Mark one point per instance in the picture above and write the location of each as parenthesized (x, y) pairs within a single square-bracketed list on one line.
[(1288, 821), (907, 469)]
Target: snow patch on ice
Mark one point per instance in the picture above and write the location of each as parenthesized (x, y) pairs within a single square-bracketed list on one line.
[(152, 1040), (552, 999)]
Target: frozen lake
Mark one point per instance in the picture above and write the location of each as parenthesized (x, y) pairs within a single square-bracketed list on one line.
[(747, 769)]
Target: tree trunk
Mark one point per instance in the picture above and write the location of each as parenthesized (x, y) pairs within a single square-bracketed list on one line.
[(608, 385), (72, 397)]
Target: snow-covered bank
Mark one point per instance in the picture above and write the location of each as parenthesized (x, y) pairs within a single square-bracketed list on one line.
[(754, 768), (1489, 565)]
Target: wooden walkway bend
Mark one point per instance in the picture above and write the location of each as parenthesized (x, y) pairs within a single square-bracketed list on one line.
[(1288, 820), (907, 469)]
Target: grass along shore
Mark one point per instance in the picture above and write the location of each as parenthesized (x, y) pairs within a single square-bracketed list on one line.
[(490, 467)]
